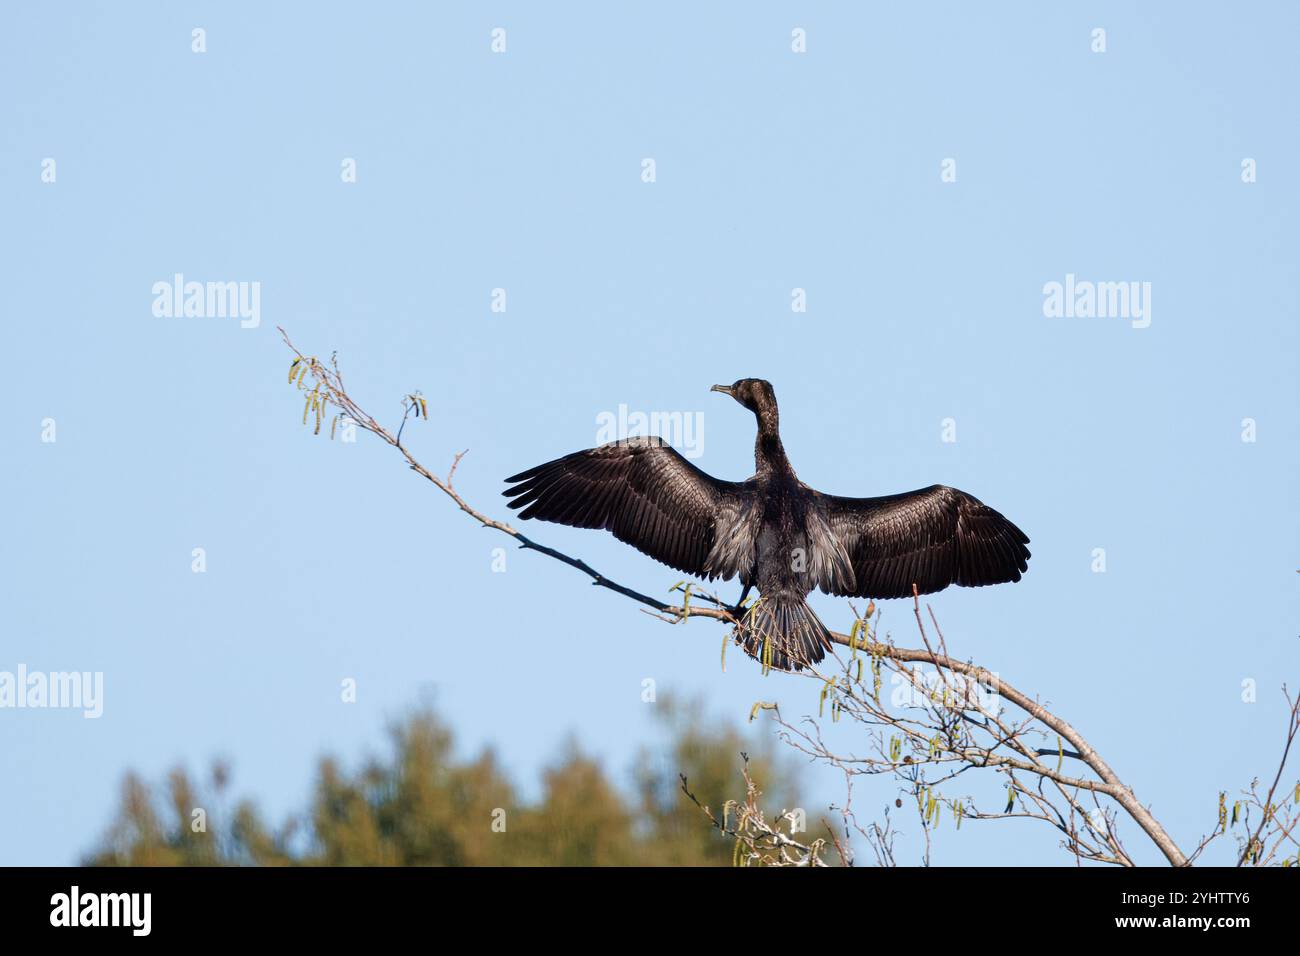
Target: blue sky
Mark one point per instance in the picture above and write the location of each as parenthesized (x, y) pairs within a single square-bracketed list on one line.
[(522, 171)]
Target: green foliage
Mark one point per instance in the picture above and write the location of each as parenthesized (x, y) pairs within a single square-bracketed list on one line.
[(420, 806)]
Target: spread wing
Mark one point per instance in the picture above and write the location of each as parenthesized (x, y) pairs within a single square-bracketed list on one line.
[(651, 498), (932, 538)]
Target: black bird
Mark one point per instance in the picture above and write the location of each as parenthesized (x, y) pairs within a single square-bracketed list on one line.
[(774, 531)]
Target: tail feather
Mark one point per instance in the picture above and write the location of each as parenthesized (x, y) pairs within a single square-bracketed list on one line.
[(782, 632)]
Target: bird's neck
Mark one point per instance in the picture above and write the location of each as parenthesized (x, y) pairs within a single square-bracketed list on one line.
[(769, 453)]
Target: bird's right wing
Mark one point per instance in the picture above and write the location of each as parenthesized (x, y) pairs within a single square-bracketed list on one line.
[(650, 497), (932, 538)]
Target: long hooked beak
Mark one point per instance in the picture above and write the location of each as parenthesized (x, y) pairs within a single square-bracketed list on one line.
[(724, 389)]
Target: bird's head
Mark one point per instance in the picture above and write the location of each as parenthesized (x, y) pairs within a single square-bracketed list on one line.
[(754, 393)]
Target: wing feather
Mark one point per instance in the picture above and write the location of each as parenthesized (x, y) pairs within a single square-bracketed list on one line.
[(649, 496), (932, 538)]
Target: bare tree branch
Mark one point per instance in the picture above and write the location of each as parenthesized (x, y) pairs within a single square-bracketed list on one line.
[(759, 843), (955, 732)]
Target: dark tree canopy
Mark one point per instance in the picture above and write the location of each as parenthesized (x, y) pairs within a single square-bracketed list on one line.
[(421, 806)]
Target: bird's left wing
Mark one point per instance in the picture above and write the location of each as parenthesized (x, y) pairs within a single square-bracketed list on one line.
[(650, 497), (932, 538)]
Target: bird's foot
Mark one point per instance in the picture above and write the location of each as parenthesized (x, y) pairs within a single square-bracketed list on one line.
[(738, 612)]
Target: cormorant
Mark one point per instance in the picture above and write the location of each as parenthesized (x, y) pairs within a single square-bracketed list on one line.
[(774, 531)]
